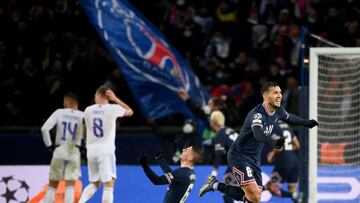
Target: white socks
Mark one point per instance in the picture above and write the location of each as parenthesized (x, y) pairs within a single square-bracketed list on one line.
[(69, 194), (108, 195), (50, 195), (88, 192)]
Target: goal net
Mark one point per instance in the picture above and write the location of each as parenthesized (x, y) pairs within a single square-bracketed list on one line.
[(334, 146)]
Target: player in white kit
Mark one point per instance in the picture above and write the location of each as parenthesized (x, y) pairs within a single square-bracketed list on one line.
[(65, 163), (100, 120)]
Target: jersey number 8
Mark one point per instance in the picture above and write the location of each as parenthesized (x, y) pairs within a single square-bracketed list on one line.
[(98, 127), (248, 171)]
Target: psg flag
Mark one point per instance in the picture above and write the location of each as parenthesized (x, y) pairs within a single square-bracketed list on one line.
[(154, 71)]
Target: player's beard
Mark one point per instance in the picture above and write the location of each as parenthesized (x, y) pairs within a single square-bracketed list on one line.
[(274, 105)]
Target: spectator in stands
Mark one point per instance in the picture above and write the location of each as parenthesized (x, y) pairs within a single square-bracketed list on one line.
[(351, 34), (50, 37), (291, 95)]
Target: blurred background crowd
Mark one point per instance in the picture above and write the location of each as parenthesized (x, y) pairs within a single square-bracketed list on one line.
[(48, 48)]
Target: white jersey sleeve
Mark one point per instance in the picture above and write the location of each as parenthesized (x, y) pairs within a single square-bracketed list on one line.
[(48, 125), (118, 111)]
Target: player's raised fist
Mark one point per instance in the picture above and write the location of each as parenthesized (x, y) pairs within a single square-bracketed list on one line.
[(143, 159)]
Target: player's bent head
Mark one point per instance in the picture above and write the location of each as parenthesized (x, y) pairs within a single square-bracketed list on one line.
[(268, 86), (72, 96), (102, 90), (217, 117), (71, 100), (100, 95)]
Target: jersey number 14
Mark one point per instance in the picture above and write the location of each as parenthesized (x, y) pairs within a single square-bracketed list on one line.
[(68, 127)]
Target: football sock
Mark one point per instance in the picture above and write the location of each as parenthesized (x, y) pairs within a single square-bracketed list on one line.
[(69, 194), (50, 194), (88, 192), (233, 191), (108, 195)]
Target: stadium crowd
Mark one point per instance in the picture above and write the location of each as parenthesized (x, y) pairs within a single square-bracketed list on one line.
[(48, 48)]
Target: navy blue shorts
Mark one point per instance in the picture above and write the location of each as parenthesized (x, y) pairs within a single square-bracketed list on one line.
[(246, 172), (288, 174)]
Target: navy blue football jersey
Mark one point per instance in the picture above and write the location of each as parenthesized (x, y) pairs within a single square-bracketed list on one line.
[(181, 182), (224, 139), (288, 155), (246, 147)]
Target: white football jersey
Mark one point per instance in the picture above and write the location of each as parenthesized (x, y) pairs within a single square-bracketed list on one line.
[(69, 127), (100, 121)]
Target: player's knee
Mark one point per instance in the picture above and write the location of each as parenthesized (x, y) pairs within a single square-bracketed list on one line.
[(109, 184), (96, 184), (53, 183), (70, 182)]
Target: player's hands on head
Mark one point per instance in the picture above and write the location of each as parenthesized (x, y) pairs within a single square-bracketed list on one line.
[(143, 159), (312, 123), (111, 95), (158, 156)]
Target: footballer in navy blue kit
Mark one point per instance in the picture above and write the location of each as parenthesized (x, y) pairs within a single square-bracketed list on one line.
[(244, 153), (181, 180), (286, 163), (222, 142)]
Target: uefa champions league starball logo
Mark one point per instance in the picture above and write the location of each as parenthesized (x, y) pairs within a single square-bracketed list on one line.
[(13, 190)]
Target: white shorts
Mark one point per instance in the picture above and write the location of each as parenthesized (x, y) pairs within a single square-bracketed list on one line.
[(102, 168), (64, 169)]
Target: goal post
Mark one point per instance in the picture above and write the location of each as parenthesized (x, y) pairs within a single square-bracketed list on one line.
[(334, 101)]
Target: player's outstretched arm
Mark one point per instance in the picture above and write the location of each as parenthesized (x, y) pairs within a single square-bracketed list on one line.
[(293, 119), (163, 164), (198, 111), (112, 97), (155, 179)]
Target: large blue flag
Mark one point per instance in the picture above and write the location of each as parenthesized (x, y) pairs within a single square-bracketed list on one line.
[(154, 71)]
